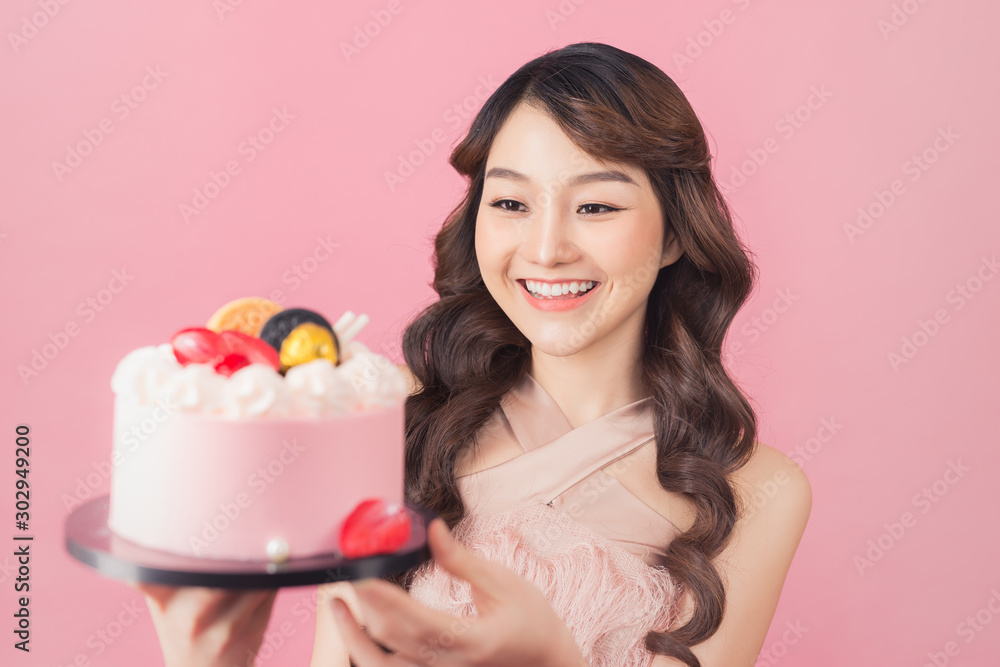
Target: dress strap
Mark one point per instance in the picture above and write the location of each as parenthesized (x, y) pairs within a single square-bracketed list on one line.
[(556, 456), (593, 465)]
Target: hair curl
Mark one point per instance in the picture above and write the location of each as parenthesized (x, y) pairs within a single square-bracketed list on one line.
[(467, 354)]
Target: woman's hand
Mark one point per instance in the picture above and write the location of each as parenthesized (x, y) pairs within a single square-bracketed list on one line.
[(515, 623), (208, 627)]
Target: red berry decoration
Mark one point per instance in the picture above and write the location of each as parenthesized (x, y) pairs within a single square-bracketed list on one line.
[(374, 527), (227, 351), (197, 345), (254, 349), (231, 363)]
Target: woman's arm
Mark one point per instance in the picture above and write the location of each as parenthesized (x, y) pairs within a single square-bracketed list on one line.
[(754, 564), (207, 626), (329, 649)]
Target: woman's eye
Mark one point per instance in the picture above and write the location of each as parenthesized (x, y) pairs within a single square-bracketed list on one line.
[(594, 209), (502, 204), (514, 206)]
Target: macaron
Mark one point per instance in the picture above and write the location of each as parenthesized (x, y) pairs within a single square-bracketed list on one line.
[(247, 315)]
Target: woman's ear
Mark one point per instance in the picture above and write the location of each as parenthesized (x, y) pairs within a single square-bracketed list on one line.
[(672, 249)]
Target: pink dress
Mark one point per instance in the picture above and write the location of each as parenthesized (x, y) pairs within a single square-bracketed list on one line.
[(552, 515)]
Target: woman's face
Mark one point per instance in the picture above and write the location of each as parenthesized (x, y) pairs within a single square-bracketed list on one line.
[(569, 247)]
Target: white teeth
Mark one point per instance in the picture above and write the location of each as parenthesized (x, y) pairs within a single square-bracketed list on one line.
[(558, 289)]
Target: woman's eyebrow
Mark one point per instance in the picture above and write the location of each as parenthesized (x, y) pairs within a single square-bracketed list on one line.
[(610, 175)]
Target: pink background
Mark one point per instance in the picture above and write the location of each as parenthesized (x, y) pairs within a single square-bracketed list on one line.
[(816, 361)]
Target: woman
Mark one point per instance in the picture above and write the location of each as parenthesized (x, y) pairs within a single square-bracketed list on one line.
[(571, 418)]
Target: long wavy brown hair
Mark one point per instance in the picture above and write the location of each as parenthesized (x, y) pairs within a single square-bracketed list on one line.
[(467, 354)]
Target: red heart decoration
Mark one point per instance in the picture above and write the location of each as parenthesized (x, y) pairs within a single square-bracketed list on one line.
[(227, 351), (374, 527), (197, 345), (255, 349), (231, 363)]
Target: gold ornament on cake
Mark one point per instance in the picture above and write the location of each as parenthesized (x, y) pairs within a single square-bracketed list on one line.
[(306, 342), (301, 336)]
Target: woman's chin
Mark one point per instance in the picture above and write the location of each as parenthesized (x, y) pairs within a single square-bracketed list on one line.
[(558, 346)]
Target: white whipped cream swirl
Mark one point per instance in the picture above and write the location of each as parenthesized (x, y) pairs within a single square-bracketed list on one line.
[(364, 381)]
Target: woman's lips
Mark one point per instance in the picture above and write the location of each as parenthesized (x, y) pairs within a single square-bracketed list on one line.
[(557, 303)]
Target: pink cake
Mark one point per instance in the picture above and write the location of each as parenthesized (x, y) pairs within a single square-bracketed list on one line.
[(253, 464)]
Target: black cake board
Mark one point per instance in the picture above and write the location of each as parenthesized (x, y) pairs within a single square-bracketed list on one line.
[(91, 541)]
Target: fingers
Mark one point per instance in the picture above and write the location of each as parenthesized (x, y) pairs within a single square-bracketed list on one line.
[(155, 593), (486, 578), (344, 591), (415, 632), (392, 606), (204, 607), (363, 650), (260, 616), (237, 605)]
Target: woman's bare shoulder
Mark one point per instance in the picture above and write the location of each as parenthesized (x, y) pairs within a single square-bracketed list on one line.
[(772, 478), (768, 475)]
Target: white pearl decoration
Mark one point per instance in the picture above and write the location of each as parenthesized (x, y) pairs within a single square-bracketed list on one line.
[(277, 550)]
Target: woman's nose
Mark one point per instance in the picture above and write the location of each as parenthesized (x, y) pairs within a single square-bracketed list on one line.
[(547, 238)]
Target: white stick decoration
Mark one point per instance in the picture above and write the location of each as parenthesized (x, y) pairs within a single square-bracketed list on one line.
[(350, 325)]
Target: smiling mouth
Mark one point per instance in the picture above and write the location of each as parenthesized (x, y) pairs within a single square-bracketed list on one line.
[(573, 289)]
